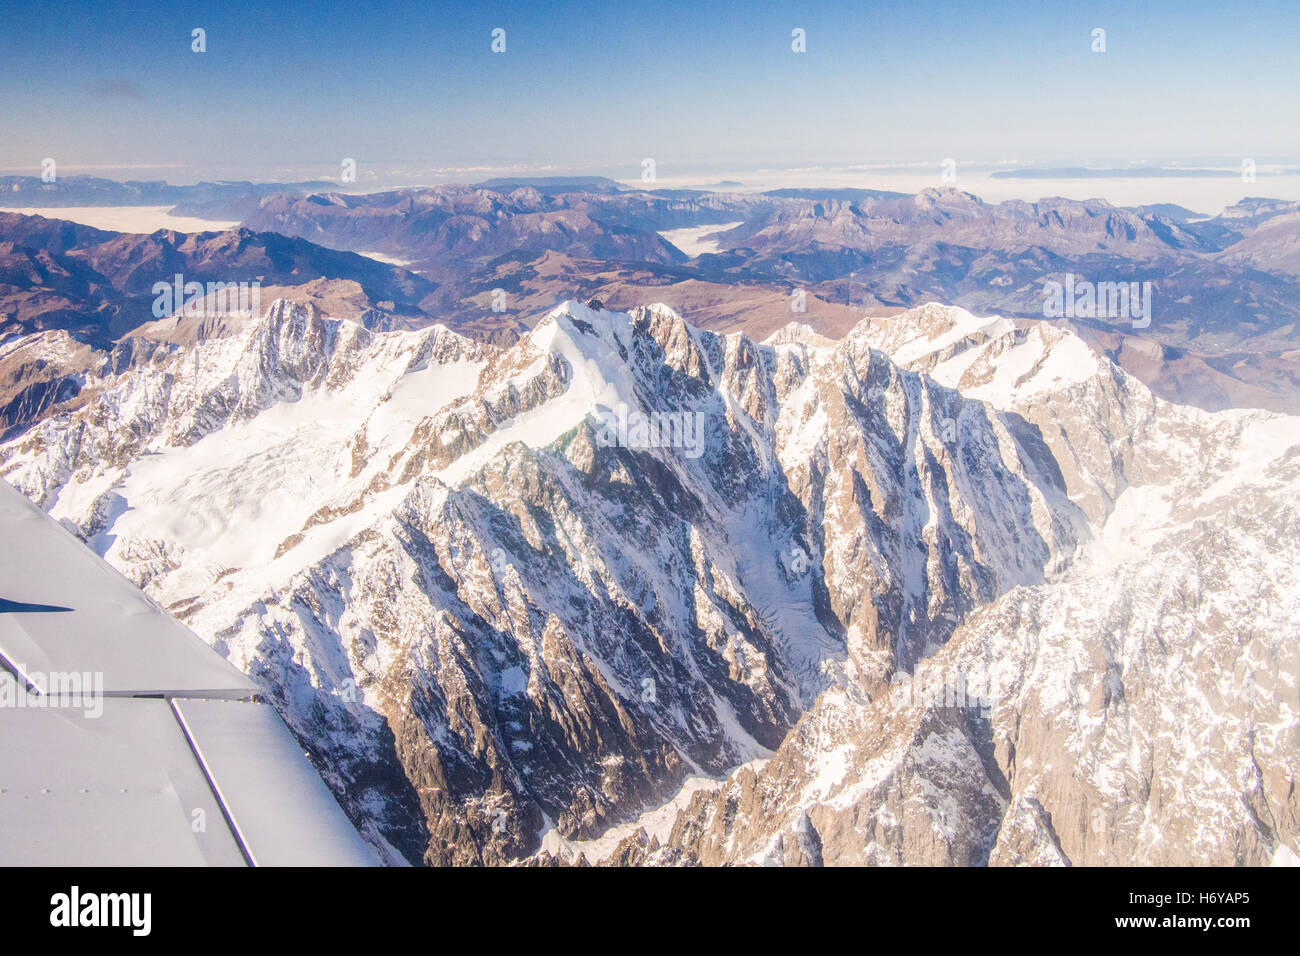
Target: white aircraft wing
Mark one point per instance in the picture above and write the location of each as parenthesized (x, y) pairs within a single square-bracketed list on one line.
[(125, 740)]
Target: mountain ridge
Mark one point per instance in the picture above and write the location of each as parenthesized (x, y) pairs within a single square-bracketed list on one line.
[(456, 591)]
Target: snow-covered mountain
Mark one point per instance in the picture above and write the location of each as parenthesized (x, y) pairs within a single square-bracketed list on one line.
[(512, 600)]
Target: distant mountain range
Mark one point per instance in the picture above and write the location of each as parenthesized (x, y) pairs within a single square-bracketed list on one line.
[(56, 274), (1225, 284), (33, 191), (489, 259)]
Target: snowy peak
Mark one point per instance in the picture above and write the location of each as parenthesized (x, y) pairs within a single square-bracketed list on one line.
[(987, 358), (531, 592), (798, 333)]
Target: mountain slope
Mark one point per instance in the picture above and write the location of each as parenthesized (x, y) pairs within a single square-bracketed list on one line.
[(1139, 709), (100, 284), (499, 610)]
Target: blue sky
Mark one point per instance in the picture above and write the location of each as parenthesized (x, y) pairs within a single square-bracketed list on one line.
[(601, 85)]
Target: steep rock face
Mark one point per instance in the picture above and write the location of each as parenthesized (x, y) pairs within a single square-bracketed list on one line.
[(493, 601), (1139, 707), (1137, 711)]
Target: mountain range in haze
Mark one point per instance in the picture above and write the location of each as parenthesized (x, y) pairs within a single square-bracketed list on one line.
[(487, 260)]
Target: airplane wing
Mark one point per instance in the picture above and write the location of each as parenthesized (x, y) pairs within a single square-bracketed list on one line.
[(125, 740)]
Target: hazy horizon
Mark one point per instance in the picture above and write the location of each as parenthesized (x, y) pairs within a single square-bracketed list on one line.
[(1205, 194)]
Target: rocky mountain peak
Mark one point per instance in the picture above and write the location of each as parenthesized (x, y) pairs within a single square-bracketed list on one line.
[(516, 598)]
